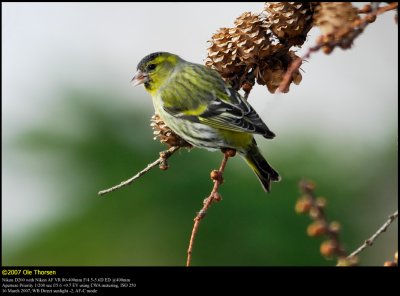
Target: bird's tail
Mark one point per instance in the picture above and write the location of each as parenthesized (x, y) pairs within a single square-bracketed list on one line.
[(261, 167)]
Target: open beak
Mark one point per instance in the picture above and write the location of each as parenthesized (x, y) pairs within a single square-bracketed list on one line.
[(139, 78)]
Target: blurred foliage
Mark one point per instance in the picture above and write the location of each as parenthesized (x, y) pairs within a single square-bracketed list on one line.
[(94, 143)]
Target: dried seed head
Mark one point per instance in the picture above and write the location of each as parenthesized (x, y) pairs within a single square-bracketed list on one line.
[(272, 77), (272, 72), (290, 21), (234, 51), (317, 228), (307, 186), (327, 49), (165, 135), (215, 175), (251, 38), (321, 202), (247, 86), (336, 20), (370, 18), (314, 213), (328, 248), (334, 227), (257, 48), (365, 9), (353, 261), (222, 55), (303, 205), (331, 16)]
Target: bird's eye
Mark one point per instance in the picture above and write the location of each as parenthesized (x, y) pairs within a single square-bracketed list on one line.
[(151, 67)]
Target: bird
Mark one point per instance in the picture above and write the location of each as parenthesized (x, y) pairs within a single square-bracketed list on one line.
[(199, 106)]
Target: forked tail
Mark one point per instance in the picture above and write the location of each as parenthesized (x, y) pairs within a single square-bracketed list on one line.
[(261, 167)]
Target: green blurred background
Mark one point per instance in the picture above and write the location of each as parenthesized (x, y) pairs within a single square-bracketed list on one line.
[(72, 125)]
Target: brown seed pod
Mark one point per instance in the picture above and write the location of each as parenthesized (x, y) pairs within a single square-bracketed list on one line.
[(315, 213), (353, 261), (328, 248), (334, 227), (316, 228), (222, 55), (164, 134), (290, 21), (271, 72), (321, 202), (336, 20), (215, 175), (303, 205), (234, 51)]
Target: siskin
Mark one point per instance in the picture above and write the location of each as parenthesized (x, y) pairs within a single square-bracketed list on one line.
[(199, 106)]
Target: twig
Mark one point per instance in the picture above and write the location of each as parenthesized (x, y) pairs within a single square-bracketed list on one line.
[(321, 226), (217, 178), (345, 41), (371, 240), (162, 161)]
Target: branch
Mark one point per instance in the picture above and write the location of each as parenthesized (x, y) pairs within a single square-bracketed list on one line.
[(162, 161), (371, 240), (217, 178), (346, 39), (315, 206)]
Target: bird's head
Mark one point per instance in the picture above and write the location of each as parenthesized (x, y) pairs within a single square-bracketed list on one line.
[(154, 69)]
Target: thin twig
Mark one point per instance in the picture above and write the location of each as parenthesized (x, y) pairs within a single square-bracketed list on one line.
[(347, 39), (317, 213), (214, 196), (371, 240), (164, 155)]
